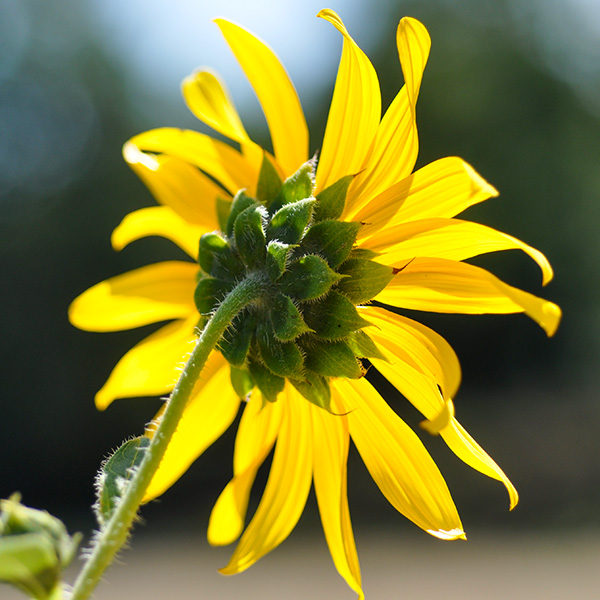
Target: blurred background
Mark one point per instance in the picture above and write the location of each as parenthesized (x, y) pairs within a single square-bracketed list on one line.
[(512, 86)]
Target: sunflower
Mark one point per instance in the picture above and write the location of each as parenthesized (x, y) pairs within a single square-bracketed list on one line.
[(335, 242)]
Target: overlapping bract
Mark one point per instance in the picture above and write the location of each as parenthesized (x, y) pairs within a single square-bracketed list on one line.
[(408, 219)]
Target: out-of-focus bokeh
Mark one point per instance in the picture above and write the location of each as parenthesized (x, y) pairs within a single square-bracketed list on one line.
[(512, 86)]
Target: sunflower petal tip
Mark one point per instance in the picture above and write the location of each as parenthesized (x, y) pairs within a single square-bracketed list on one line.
[(553, 315)]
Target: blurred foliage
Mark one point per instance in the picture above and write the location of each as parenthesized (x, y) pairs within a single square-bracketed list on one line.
[(486, 97)]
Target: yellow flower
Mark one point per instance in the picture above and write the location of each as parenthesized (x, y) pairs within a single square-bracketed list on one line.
[(407, 224)]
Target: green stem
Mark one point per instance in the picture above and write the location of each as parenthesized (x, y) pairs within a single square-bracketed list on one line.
[(114, 535)]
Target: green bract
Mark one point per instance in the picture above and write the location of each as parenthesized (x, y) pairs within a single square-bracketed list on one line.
[(305, 326)]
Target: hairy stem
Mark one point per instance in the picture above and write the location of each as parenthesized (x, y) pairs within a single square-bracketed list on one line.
[(114, 535)]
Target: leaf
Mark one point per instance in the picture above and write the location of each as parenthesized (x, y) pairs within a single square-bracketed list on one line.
[(115, 475), (308, 278), (365, 279), (269, 182), (333, 240)]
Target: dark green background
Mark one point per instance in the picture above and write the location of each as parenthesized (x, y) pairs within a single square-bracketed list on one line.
[(494, 93)]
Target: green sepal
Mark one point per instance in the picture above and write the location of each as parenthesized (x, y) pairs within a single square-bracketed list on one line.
[(281, 358), (277, 255), (216, 258), (269, 384), (269, 182), (296, 187), (115, 474), (241, 201), (333, 240), (333, 317), (235, 343), (290, 221), (332, 359), (363, 346), (209, 292), (250, 236), (241, 381), (364, 253), (332, 200), (315, 389), (286, 319), (223, 207), (365, 279), (308, 278)]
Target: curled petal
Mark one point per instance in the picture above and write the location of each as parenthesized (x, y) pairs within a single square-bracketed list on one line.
[(218, 159), (396, 144), (153, 293), (443, 188), (212, 408), (397, 460), (286, 490), (177, 184), (209, 100), (448, 286), (409, 342), (161, 221), (150, 368), (451, 239), (354, 113), (275, 93), (330, 446), (255, 438), (469, 451)]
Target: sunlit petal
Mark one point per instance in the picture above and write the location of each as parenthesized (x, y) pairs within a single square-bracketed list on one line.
[(161, 221), (354, 113), (396, 144), (447, 238), (151, 367), (286, 490), (153, 293), (275, 93), (406, 341), (330, 446), (443, 188), (218, 159), (256, 435), (208, 98), (212, 408), (469, 451), (179, 185), (447, 286), (397, 460)]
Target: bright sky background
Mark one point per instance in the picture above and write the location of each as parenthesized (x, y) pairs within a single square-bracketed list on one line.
[(161, 42)]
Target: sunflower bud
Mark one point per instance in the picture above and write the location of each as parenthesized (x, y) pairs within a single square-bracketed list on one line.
[(34, 549)]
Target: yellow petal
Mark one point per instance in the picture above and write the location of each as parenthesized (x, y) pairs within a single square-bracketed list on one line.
[(219, 160), (451, 239), (443, 188), (354, 113), (255, 438), (208, 98), (153, 293), (179, 185), (151, 367), (161, 221), (446, 286), (397, 460), (469, 451), (405, 341), (397, 143), (275, 93), (330, 444), (212, 408), (287, 487)]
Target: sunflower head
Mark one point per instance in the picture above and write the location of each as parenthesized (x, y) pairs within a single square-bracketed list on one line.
[(305, 327)]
